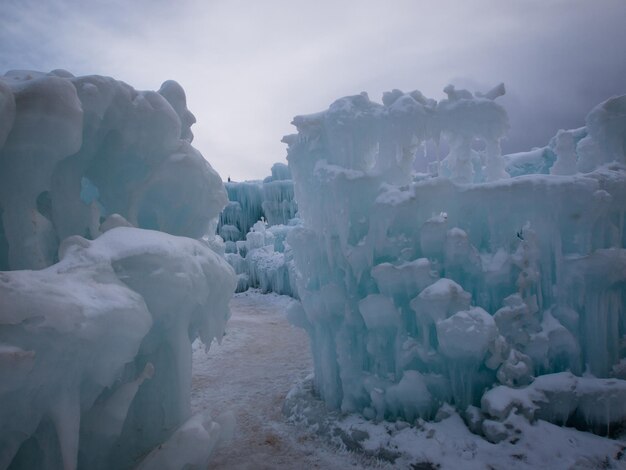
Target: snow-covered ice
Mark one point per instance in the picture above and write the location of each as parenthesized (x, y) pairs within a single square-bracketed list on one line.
[(81, 337), (459, 318), (451, 283), (254, 226), (96, 315), (263, 260), (77, 149), (250, 201)]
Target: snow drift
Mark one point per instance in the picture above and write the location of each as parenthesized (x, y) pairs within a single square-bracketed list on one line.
[(97, 316), (423, 289)]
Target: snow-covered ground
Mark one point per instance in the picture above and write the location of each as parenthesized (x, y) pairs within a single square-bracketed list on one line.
[(262, 357)]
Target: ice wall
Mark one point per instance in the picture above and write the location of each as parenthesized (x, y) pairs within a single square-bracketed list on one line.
[(76, 149), (420, 289), (97, 316), (244, 209), (250, 201), (279, 205), (254, 226), (263, 260)]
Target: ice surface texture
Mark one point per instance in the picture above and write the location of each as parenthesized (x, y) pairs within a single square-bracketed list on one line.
[(76, 149), (254, 226), (263, 260), (420, 289), (271, 199), (97, 316)]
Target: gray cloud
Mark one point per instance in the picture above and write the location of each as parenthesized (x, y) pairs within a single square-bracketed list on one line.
[(249, 67)]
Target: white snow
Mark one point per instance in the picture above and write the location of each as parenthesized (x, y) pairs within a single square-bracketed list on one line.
[(261, 367), (466, 335), (260, 359)]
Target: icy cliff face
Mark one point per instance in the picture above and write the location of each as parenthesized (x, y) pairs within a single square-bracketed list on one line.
[(420, 289), (95, 340)]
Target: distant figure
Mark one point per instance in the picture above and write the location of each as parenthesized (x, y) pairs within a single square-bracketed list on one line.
[(229, 179)]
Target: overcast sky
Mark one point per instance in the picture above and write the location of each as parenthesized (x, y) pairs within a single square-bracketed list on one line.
[(249, 66)]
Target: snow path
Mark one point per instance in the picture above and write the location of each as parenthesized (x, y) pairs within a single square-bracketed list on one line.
[(260, 359)]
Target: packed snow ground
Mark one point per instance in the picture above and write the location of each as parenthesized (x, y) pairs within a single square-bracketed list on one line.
[(262, 358)]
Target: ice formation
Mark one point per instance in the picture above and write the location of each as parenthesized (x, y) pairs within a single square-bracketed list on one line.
[(423, 289), (263, 260), (96, 315), (254, 226), (250, 201)]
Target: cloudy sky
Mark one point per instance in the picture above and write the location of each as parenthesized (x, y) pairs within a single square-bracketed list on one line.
[(249, 66)]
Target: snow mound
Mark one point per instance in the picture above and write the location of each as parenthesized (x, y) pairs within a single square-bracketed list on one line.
[(449, 442)]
